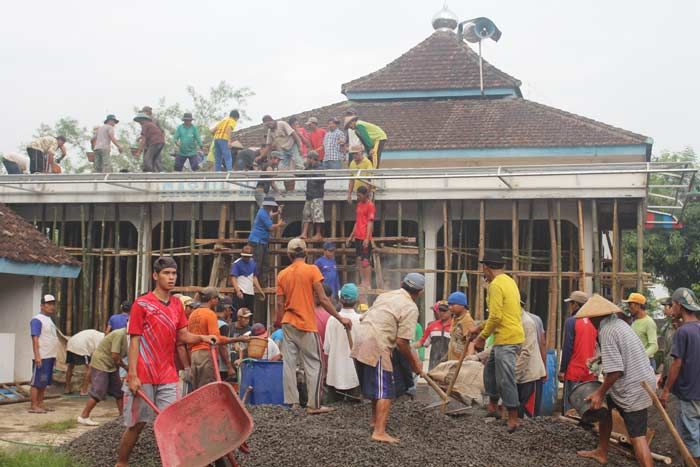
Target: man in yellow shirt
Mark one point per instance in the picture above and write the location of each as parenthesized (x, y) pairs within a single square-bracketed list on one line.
[(222, 139), (505, 323), (359, 162)]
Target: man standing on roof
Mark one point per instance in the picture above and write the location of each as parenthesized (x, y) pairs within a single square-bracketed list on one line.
[(316, 136), (373, 138), (643, 325), (684, 373), (45, 347), (245, 282), (260, 233), (579, 346), (297, 285), (152, 141), (389, 324), (313, 207), (156, 325), (333, 141), (625, 365), (505, 324), (104, 138), (282, 137), (42, 151), (362, 237), (437, 335), (303, 136), (188, 142), (223, 135)]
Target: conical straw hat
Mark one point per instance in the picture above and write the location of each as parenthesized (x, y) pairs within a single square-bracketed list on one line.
[(597, 306)]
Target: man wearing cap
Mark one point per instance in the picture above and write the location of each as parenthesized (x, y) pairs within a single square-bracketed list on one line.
[(119, 320), (316, 135), (282, 137), (328, 267), (272, 353), (203, 321), (684, 374), (372, 136), (45, 347), (505, 324), (579, 346), (358, 163), (157, 323), (643, 325), (389, 324), (150, 144), (362, 237), (333, 142), (462, 323), (42, 151), (313, 207), (624, 365), (437, 335), (668, 330), (245, 283), (297, 285), (259, 237), (104, 138), (341, 374), (188, 141), (223, 135)]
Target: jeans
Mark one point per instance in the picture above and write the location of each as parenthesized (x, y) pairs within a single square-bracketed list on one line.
[(688, 425), (499, 375), (11, 167), (260, 256), (222, 154), (103, 162), (180, 162), (333, 165), (291, 159)]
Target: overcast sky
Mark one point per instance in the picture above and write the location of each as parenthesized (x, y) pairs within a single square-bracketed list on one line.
[(633, 64)]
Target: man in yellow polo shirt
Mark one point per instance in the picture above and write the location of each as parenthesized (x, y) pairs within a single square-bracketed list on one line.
[(505, 323)]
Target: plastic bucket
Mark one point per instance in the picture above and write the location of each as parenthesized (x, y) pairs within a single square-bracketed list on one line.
[(266, 380), (90, 156), (577, 399), (257, 346), (549, 388)]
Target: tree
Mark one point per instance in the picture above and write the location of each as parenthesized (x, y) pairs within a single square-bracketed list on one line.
[(76, 138), (672, 255)]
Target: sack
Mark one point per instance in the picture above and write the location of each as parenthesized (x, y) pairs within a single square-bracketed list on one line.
[(470, 382)]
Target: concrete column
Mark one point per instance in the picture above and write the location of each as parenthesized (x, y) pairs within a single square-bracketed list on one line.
[(433, 222), (588, 243), (144, 241)]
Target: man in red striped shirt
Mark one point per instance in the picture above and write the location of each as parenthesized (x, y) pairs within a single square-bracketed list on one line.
[(437, 335)]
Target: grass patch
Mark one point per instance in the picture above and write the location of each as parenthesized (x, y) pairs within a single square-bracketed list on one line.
[(36, 458), (57, 427)]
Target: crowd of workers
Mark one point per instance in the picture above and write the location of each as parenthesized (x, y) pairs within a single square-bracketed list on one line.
[(346, 141), (322, 333)]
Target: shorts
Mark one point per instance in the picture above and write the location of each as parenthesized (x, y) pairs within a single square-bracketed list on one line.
[(137, 411), (635, 422), (375, 382), (313, 211), (364, 255), (103, 383), (202, 368), (75, 359), (688, 425), (43, 376)]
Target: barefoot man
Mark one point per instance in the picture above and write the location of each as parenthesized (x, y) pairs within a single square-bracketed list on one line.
[(157, 323), (390, 323), (625, 365)]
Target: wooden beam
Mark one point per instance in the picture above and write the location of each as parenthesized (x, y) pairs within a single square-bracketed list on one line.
[(581, 249), (117, 260), (552, 315), (445, 250), (482, 246), (615, 252), (557, 296), (515, 235), (162, 228), (214, 274), (596, 247), (285, 240), (640, 245)]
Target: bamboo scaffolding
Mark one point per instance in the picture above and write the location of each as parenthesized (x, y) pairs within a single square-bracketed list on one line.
[(117, 261), (614, 253), (557, 296), (552, 315), (482, 235), (515, 236), (581, 248), (596, 246), (640, 245)]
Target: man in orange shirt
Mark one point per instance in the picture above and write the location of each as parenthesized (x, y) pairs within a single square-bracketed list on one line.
[(296, 287), (203, 321)]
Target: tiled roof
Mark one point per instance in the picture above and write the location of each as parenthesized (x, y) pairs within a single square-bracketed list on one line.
[(470, 124), (21, 242), (441, 61)]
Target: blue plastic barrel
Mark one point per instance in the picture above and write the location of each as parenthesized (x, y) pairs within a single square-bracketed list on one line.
[(549, 388), (266, 379)]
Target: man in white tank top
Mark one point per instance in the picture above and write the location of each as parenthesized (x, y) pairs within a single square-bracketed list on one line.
[(45, 346)]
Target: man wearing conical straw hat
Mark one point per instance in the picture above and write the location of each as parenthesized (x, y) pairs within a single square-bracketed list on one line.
[(625, 365)]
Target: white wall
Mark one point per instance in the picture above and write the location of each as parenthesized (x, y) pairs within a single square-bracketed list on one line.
[(20, 297)]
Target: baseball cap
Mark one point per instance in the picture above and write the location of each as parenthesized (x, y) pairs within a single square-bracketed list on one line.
[(414, 280), (636, 298), (442, 305), (244, 313), (578, 297), (208, 293), (686, 298), (329, 246), (227, 302), (457, 298), (48, 298), (349, 292), (270, 202), (259, 330), (246, 255), (296, 244), (665, 301), (312, 120), (186, 301)]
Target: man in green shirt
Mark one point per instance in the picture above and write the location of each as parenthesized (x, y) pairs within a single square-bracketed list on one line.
[(188, 141), (104, 375), (668, 329), (643, 325)]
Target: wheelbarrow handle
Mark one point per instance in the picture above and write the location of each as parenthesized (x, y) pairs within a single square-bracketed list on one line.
[(215, 360), (148, 401)]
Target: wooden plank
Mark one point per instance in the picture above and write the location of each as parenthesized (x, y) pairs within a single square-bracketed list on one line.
[(285, 240), (267, 290)]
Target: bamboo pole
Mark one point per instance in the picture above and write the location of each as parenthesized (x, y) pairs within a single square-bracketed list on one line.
[(334, 219), (107, 282), (596, 247), (193, 226), (551, 325), (515, 236), (614, 253), (421, 233), (172, 233), (162, 229), (200, 259), (399, 232), (131, 263), (138, 281), (214, 274), (528, 247), (480, 267), (343, 258), (117, 260), (84, 272), (557, 296), (98, 310), (148, 265), (640, 245), (446, 250), (581, 249)]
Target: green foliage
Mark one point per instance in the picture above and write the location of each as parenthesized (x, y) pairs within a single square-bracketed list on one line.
[(60, 426), (36, 458), (671, 255)]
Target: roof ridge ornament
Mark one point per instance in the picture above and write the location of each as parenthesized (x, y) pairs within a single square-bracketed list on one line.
[(445, 19), (476, 30)]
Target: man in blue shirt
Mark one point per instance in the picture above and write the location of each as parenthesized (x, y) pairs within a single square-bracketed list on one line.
[(260, 233), (243, 280), (119, 321), (326, 264)]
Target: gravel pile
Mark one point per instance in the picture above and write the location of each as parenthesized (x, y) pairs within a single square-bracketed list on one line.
[(291, 438)]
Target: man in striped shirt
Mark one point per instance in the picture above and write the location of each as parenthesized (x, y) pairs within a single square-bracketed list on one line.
[(223, 161), (625, 366), (333, 146)]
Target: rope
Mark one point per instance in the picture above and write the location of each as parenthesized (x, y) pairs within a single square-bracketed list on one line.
[(22, 443)]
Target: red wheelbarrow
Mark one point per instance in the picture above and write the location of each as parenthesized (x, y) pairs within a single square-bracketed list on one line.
[(205, 425)]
